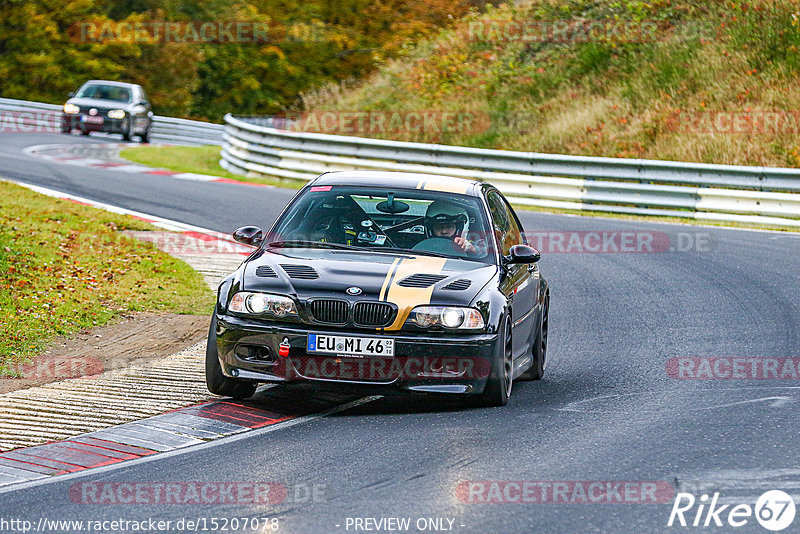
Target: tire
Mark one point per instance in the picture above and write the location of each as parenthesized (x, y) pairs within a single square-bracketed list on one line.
[(145, 137), (536, 371), (66, 130), (128, 131), (218, 383), (85, 132), (500, 382)]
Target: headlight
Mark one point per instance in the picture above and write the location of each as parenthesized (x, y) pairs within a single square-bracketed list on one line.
[(447, 316), (116, 114), (71, 109), (262, 303)]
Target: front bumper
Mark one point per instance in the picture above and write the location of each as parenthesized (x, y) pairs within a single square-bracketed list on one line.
[(73, 122), (428, 362)]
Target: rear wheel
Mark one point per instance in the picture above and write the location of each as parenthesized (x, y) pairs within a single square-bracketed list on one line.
[(501, 378), (218, 383), (84, 132), (145, 137), (536, 371)]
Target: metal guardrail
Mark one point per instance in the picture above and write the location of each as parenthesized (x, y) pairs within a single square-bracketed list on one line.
[(629, 186), (762, 195), (38, 116)]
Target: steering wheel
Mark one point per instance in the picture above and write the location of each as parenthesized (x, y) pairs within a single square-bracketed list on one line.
[(443, 245)]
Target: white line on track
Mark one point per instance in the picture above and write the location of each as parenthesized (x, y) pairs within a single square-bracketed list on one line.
[(244, 434), (161, 222)]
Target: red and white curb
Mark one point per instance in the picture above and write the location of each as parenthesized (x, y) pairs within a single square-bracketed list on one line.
[(185, 429), (63, 154), (36, 415)]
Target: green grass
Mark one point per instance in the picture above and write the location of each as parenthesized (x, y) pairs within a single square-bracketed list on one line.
[(65, 267), (603, 98), (195, 159)]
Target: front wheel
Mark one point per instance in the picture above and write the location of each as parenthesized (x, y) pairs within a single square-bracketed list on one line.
[(501, 378), (218, 383), (536, 371), (127, 129)]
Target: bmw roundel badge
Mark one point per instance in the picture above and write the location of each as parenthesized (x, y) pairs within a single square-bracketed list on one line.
[(353, 290)]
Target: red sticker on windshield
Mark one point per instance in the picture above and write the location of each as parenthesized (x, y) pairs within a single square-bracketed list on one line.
[(318, 188)]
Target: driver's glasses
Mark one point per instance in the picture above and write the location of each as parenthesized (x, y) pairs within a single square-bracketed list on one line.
[(449, 227)]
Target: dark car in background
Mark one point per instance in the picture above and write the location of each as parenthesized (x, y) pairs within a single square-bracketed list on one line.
[(111, 107), (402, 281)]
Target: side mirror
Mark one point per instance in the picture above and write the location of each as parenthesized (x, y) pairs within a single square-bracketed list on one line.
[(70, 94), (249, 235), (522, 254)]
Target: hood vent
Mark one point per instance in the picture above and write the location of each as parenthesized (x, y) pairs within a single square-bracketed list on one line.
[(458, 285), (304, 272), (265, 271), (421, 280)]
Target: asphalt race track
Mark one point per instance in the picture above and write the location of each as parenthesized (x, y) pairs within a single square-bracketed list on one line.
[(607, 410)]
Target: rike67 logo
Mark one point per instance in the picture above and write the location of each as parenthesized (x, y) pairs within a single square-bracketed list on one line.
[(774, 510)]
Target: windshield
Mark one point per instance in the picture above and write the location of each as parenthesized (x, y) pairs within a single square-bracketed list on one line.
[(382, 219), (105, 92)]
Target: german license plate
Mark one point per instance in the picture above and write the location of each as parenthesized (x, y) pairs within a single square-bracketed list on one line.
[(91, 120), (350, 346)]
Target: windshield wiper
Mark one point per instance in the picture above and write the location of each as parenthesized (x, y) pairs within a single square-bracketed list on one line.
[(313, 244), (421, 252), (338, 246)]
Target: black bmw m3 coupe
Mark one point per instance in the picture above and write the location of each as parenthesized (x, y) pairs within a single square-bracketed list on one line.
[(395, 280)]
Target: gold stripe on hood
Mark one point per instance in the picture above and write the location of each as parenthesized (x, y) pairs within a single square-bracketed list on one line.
[(406, 298), (382, 294)]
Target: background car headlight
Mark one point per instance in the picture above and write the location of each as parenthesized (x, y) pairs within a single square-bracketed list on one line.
[(262, 303), (116, 114), (450, 317), (71, 109)]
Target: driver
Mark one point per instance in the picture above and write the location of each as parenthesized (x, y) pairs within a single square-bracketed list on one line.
[(444, 219)]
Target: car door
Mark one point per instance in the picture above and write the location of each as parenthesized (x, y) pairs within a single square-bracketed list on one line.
[(521, 281)]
